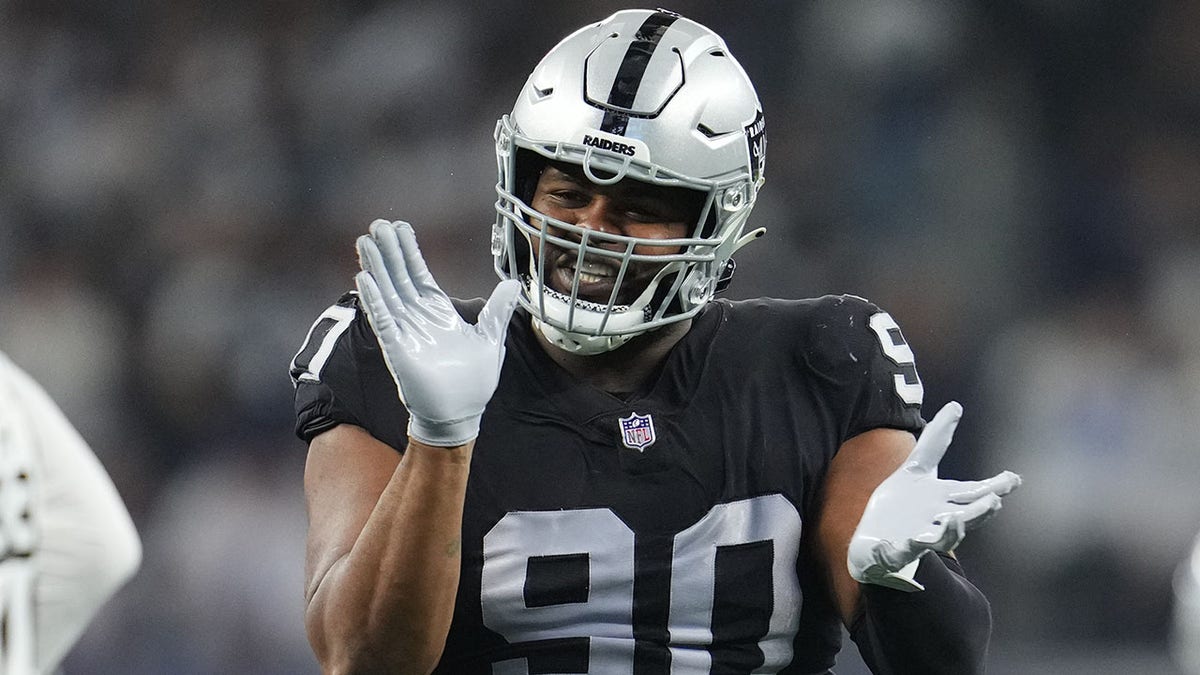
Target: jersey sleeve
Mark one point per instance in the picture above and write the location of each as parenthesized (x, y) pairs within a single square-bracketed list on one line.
[(858, 351), (341, 378)]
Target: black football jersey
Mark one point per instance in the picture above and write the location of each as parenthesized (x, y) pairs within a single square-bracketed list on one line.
[(666, 531)]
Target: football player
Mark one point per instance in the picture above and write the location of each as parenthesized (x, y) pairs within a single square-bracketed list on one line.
[(604, 468), (67, 542)]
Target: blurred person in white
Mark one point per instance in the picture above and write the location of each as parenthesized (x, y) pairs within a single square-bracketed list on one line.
[(1185, 633), (614, 476), (1176, 309), (67, 543)]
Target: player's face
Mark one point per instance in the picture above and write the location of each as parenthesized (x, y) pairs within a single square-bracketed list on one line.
[(628, 208)]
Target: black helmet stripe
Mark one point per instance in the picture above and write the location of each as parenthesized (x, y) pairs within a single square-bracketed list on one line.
[(633, 67)]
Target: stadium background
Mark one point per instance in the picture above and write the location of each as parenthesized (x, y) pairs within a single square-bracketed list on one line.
[(1018, 183)]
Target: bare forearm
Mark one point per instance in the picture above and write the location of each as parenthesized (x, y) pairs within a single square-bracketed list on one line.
[(387, 603)]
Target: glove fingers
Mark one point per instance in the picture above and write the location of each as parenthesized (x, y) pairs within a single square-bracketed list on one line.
[(380, 320), (392, 281), (395, 314), (1006, 482), (951, 527), (378, 314), (977, 512), (418, 271), (980, 520), (948, 531), (893, 557), (399, 245), (493, 320), (936, 438), (1000, 484)]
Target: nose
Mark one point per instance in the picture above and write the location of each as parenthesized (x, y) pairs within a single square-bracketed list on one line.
[(599, 215)]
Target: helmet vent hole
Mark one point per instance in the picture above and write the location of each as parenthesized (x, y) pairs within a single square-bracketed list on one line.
[(543, 93), (704, 129), (717, 52)]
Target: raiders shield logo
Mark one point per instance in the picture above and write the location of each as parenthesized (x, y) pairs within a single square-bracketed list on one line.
[(637, 431)]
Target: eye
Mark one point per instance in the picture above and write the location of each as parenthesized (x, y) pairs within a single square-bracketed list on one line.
[(642, 216), (570, 198), (654, 212), (643, 211)]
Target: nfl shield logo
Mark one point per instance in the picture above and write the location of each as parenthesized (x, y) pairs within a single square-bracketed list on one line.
[(637, 431)]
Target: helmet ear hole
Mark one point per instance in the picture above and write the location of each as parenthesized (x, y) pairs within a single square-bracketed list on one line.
[(726, 276)]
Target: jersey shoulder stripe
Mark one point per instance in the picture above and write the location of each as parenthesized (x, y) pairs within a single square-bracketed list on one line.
[(318, 345)]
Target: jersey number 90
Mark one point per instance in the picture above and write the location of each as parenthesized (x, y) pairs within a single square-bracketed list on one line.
[(733, 599)]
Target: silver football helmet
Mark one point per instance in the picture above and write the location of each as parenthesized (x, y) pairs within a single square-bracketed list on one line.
[(644, 95)]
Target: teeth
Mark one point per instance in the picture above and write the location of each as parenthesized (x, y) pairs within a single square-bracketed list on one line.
[(596, 269), (591, 278), (591, 272)]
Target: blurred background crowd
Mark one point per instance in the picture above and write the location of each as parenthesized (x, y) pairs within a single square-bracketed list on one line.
[(1018, 183)]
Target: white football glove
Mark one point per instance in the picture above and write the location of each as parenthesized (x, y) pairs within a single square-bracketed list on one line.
[(913, 512), (445, 369)]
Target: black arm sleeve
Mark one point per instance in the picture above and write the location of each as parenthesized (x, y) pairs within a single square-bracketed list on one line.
[(943, 629)]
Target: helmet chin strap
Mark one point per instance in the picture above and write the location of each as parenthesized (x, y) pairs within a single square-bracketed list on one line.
[(577, 343)]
